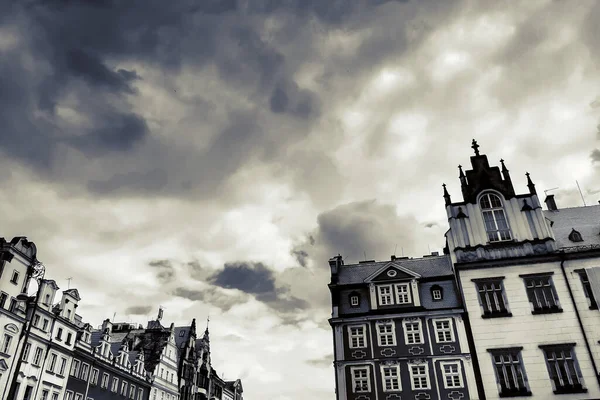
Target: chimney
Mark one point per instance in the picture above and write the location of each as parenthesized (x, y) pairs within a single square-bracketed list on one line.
[(393, 258), (435, 253), (550, 203), (107, 325), (335, 263)]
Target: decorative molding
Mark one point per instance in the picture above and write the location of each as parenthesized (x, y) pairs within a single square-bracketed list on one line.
[(418, 361), (363, 397), (416, 350), (388, 352), (389, 362), (358, 354), (410, 319), (456, 395), (3, 365), (423, 396), (447, 349), (11, 328), (393, 396)]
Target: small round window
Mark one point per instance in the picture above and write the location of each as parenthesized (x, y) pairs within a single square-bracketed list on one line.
[(392, 273)]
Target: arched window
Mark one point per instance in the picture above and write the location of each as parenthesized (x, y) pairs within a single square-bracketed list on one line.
[(494, 218)]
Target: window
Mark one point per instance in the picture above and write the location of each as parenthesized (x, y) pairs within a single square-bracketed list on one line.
[(587, 289), (115, 385), (575, 236), (360, 379), (494, 218), (412, 332), (68, 395), (6, 344), (419, 376), (63, 366), (13, 305), (140, 394), (123, 388), (45, 394), (491, 297), (386, 333), (69, 337), (354, 300), (15, 277), (37, 356), (451, 375), (26, 352), (542, 295), (443, 330), (563, 369), (36, 321), (45, 325), (85, 369), (391, 378), (94, 380), (51, 363), (75, 368), (132, 392), (385, 295), (78, 396), (357, 336), (436, 293), (510, 373), (3, 298), (402, 293), (104, 384), (59, 333), (54, 395)]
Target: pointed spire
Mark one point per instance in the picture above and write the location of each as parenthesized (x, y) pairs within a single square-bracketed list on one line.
[(193, 328), (530, 184), (503, 166), (461, 175), (475, 147), (446, 195)]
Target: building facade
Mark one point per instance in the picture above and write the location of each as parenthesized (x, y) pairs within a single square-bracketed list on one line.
[(529, 280), (399, 331)]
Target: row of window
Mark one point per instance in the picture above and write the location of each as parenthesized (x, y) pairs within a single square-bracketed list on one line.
[(540, 290), (4, 298), (37, 357), (413, 333), (418, 374), (81, 371), (395, 294)]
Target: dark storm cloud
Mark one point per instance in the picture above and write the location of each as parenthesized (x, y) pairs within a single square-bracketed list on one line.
[(210, 295), (252, 278), (138, 310), (165, 271)]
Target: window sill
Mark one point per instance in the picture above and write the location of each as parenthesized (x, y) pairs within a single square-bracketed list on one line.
[(515, 394), (569, 390), (497, 315), (547, 311)]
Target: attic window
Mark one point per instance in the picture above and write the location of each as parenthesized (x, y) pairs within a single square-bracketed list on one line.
[(181, 333), (354, 300), (392, 273), (437, 293), (575, 236)]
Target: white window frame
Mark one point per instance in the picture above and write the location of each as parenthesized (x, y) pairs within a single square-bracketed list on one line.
[(115, 385), (105, 381), (436, 294), (381, 296), (132, 391), (26, 352), (496, 234), (420, 331), (124, 387), (354, 380), (405, 295), (354, 300), (413, 376), (52, 362), (140, 393), (6, 343), (63, 366), (363, 336), (37, 356), (458, 365), (450, 330), (85, 371), (94, 377), (78, 396), (75, 365), (397, 377), (380, 335), (68, 395)]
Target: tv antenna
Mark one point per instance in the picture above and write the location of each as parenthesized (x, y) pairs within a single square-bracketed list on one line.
[(580, 193), (549, 190)]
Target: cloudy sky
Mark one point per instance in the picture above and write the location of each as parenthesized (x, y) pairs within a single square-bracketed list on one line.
[(210, 156)]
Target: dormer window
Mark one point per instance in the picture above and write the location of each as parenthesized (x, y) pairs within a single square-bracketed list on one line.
[(575, 236), (354, 299), (494, 218), (437, 293), (398, 293)]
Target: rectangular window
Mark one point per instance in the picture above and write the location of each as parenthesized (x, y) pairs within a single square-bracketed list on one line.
[(391, 378), (78, 396), (54, 395), (75, 368), (36, 321), (402, 293), (542, 295), (45, 325), (104, 381), (68, 395), (123, 388), (115, 385), (563, 369), (452, 374), (45, 394), (132, 392), (419, 376), (413, 332), (3, 298), (385, 295), (510, 373), (69, 337), (360, 379), (386, 333), (354, 301), (357, 336), (13, 305), (37, 356), (59, 334), (491, 297), (587, 289), (15, 277), (6, 344), (140, 394), (51, 363), (443, 330), (437, 294), (85, 369), (94, 380), (63, 366), (26, 352)]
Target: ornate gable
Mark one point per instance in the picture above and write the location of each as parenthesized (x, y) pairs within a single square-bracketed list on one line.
[(392, 272)]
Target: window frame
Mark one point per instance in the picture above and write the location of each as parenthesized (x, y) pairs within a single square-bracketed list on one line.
[(14, 278), (140, 393), (381, 296), (380, 334), (398, 293), (354, 300), (85, 371), (533, 293), (354, 378), (412, 376), (75, 365), (493, 312), (3, 298), (26, 352), (124, 388), (458, 374), (363, 336), (516, 352), (94, 376), (63, 366), (439, 290), (406, 332), (105, 382), (492, 210), (587, 289), (7, 340), (52, 362), (552, 368), (450, 329), (68, 395), (397, 377), (114, 387), (37, 359)]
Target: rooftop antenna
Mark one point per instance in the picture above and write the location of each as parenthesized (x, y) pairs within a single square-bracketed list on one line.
[(69, 283), (429, 247), (395, 249), (549, 190), (580, 193), (365, 254), (114, 316), (402, 248)]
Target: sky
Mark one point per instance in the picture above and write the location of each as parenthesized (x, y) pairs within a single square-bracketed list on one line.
[(209, 157)]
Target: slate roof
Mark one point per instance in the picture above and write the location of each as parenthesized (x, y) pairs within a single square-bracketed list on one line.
[(585, 220), (180, 340), (426, 267)]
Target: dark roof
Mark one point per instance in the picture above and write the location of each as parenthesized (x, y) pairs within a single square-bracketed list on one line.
[(585, 220), (427, 267), (180, 340)]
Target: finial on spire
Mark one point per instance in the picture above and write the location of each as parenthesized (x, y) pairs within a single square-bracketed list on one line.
[(530, 184), (446, 195), (502, 162), (475, 147)]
